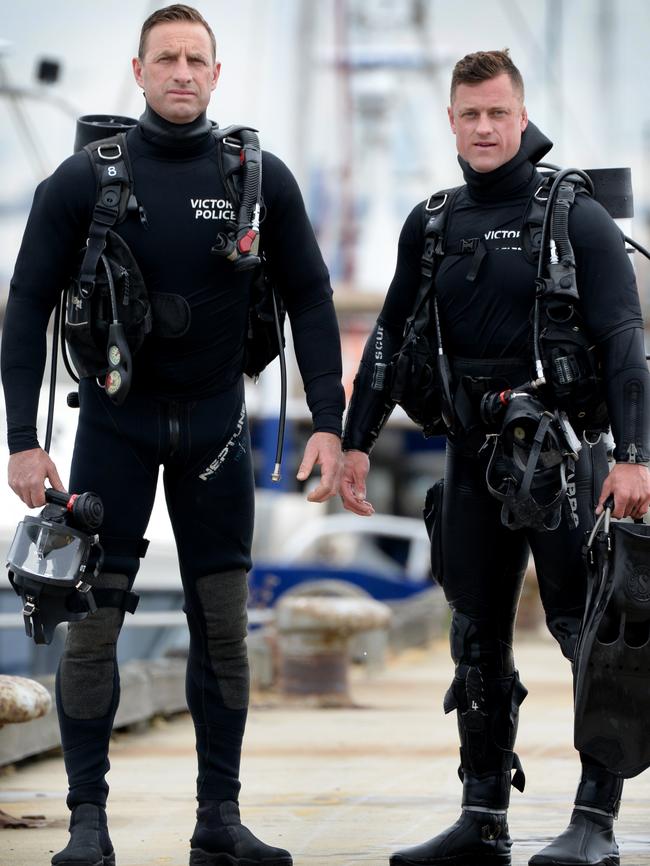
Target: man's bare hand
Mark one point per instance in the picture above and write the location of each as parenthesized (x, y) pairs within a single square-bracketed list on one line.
[(27, 472), (324, 450), (356, 465), (629, 484)]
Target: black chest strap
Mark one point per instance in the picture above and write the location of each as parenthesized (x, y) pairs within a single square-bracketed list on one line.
[(110, 160)]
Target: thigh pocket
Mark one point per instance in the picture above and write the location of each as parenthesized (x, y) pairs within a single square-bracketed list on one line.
[(432, 513)]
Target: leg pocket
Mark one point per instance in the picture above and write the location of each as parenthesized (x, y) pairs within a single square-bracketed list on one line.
[(432, 513)]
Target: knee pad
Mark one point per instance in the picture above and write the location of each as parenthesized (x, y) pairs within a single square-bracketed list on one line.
[(488, 714), (222, 598), (474, 642), (87, 668)]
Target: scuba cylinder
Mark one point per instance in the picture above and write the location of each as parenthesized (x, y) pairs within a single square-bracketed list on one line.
[(93, 127)]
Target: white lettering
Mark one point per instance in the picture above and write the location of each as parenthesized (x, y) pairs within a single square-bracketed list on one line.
[(215, 215), (219, 460), (496, 234), (213, 209), (572, 499), (379, 344)]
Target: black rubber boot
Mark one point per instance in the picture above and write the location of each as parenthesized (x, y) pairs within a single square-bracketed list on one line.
[(589, 838), (479, 837), (220, 839), (89, 844)]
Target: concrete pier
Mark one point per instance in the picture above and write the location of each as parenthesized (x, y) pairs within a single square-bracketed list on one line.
[(337, 787)]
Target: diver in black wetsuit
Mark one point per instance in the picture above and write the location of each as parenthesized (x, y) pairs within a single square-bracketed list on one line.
[(485, 302), (185, 411)]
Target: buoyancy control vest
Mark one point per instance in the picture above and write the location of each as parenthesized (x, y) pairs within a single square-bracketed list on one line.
[(565, 370), (109, 312)]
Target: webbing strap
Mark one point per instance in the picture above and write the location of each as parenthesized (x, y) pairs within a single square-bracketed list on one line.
[(122, 599), (533, 459), (125, 546), (95, 245), (110, 162), (434, 239)]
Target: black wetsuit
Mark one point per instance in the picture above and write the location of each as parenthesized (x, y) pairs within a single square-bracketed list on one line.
[(486, 326), (185, 411)]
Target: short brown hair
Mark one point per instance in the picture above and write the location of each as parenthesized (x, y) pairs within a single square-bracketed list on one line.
[(177, 12), (483, 65)]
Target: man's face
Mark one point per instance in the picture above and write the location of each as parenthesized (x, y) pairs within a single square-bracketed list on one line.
[(487, 120), (178, 72)]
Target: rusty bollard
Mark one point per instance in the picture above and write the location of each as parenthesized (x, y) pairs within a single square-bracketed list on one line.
[(313, 640), (22, 700)]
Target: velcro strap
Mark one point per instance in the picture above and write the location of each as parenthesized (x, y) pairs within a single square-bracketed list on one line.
[(119, 598), (125, 546)]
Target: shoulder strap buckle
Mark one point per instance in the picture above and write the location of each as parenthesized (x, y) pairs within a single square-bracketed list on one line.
[(231, 141), (430, 207), (102, 151)]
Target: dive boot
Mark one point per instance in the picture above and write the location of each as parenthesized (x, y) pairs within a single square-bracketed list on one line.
[(89, 843), (476, 839), (587, 841), (220, 839), (479, 837), (589, 838)]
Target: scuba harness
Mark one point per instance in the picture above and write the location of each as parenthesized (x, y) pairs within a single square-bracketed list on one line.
[(109, 312), (536, 445)]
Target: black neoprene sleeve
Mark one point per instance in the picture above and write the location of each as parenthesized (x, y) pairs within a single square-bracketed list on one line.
[(628, 394), (303, 280), (370, 404)]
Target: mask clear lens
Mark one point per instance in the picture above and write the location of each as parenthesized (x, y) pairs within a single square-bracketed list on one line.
[(48, 551)]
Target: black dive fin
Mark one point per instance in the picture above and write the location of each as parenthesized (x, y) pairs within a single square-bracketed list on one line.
[(612, 665)]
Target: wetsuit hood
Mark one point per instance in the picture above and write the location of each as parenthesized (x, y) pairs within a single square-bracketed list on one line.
[(175, 136), (513, 176)]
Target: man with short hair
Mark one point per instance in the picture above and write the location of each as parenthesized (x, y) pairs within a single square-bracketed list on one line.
[(185, 410), (485, 291)]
